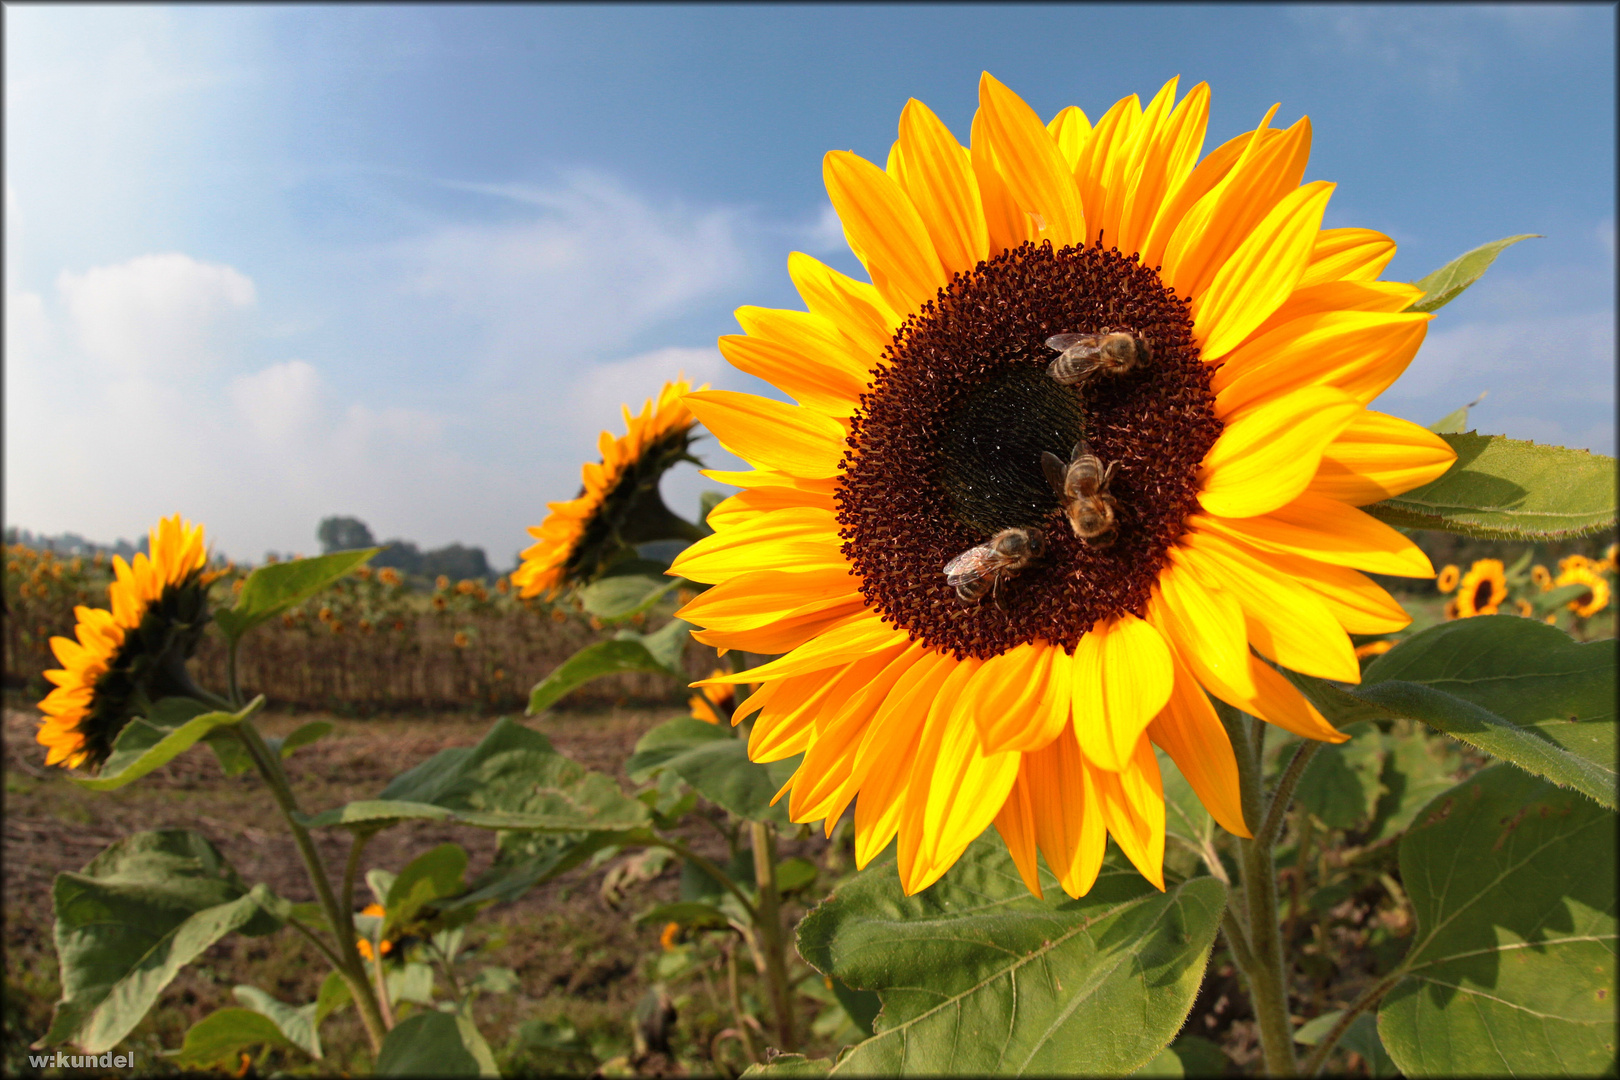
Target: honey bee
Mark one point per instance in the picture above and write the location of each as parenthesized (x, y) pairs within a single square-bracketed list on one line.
[(1082, 484), (1084, 355), (980, 570)]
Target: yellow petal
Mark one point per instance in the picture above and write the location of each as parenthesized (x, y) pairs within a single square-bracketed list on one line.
[(1205, 626), (1199, 183), (1020, 698), (884, 230), (1100, 172), (1070, 129), (1132, 802), (803, 538), (1267, 455), (788, 632), (1347, 255), (1329, 531), (891, 739), (1171, 149), (802, 354), (1121, 679), (771, 433), (1279, 703), (1068, 816), (1261, 273), (939, 179), (831, 649), (1029, 162), (1016, 824), (1359, 352), (1189, 731), (764, 596), (1384, 296), (1006, 224), (1359, 604), (855, 307), (1378, 457)]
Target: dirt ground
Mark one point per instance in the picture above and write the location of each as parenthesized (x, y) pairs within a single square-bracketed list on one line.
[(579, 962)]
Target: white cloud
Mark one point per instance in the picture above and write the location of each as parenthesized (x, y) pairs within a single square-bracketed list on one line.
[(279, 402), (164, 313)]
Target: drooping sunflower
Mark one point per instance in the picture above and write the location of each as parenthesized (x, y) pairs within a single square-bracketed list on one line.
[(1482, 589), (132, 655), (1235, 441), (1596, 596), (618, 503)]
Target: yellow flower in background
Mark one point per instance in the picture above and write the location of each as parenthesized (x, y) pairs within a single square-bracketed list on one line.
[(128, 657), (1541, 577), (713, 704), (1448, 578), (363, 945), (1525, 608), (1574, 562), (389, 576), (672, 932), (363, 573), (461, 640), (1595, 599), (1482, 589), (1235, 347), (579, 535), (442, 582)]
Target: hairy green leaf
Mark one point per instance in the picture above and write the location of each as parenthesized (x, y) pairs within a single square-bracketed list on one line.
[(625, 595), (1341, 783), (715, 762), (432, 875), (1360, 1037), (1447, 283), (175, 726), (274, 588), (334, 995), (219, 1037), (1418, 767), (433, 1043), (1509, 489), (131, 919), (790, 1065), (978, 977), (513, 779), (1512, 968), (297, 1023), (659, 652)]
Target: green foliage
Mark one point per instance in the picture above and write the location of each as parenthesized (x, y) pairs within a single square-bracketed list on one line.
[(1341, 784), (1447, 283), (1508, 489), (432, 875), (1513, 966), (1456, 420), (788, 1065), (171, 727), (296, 1023), (1417, 767), (1189, 1055), (689, 914), (131, 919), (513, 779), (1361, 1037), (624, 595), (433, 1043), (979, 977), (659, 652), (1517, 689), (219, 1037), (715, 762), (273, 588)]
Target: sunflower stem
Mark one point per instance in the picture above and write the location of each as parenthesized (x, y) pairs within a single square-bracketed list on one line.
[(769, 920), (1283, 794), (1319, 1053)]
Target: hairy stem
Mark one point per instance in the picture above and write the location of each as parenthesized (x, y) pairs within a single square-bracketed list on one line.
[(1319, 1053), (769, 921), (708, 867), (736, 1006), (1283, 794)]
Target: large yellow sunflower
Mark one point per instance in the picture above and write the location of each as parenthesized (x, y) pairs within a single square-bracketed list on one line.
[(1482, 589), (618, 502), (1238, 436), (132, 655)]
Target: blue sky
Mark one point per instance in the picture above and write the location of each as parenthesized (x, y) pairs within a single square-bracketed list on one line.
[(266, 264)]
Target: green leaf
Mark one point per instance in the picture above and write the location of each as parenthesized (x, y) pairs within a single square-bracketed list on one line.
[(1447, 283), (1512, 968), (131, 919), (626, 595), (529, 859), (430, 876), (303, 735), (220, 1036), (658, 652), (791, 1065), (298, 1023), (1456, 420), (411, 982), (1360, 1037), (1418, 767), (687, 913), (794, 874), (978, 977), (495, 980), (1341, 783), (513, 779), (150, 743), (1509, 489), (274, 588), (433, 1043), (334, 995), (862, 1006), (715, 762), (1555, 598)]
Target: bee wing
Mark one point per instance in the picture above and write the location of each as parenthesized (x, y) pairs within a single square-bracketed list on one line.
[(1081, 449), (1060, 342), (1056, 472), (971, 565)]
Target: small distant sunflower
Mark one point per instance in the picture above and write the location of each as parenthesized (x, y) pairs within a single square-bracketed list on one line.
[(618, 504), (1524, 608), (1239, 433), (1448, 578), (132, 655), (714, 703), (1595, 599), (1541, 577), (387, 946), (1482, 589)]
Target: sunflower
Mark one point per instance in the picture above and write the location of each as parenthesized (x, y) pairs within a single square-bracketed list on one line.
[(1234, 436), (1482, 589), (386, 947), (1448, 578), (1596, 597), (132, 653), (1541, 577), (618, 504), (714, 703)]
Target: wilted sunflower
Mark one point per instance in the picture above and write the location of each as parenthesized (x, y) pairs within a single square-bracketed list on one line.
[(1448, 578), (130, 656), (618, 504), (1596, 596), (1239, 438), (1482, 589)]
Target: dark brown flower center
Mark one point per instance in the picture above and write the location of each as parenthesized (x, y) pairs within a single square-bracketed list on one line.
[(1483, 593), (946, 449)]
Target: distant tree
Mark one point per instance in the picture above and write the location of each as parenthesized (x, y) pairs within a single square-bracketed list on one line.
[(402, 555), (343, 533), (456, 562)]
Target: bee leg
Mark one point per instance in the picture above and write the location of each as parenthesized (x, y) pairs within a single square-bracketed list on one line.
[(1108, 474)]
